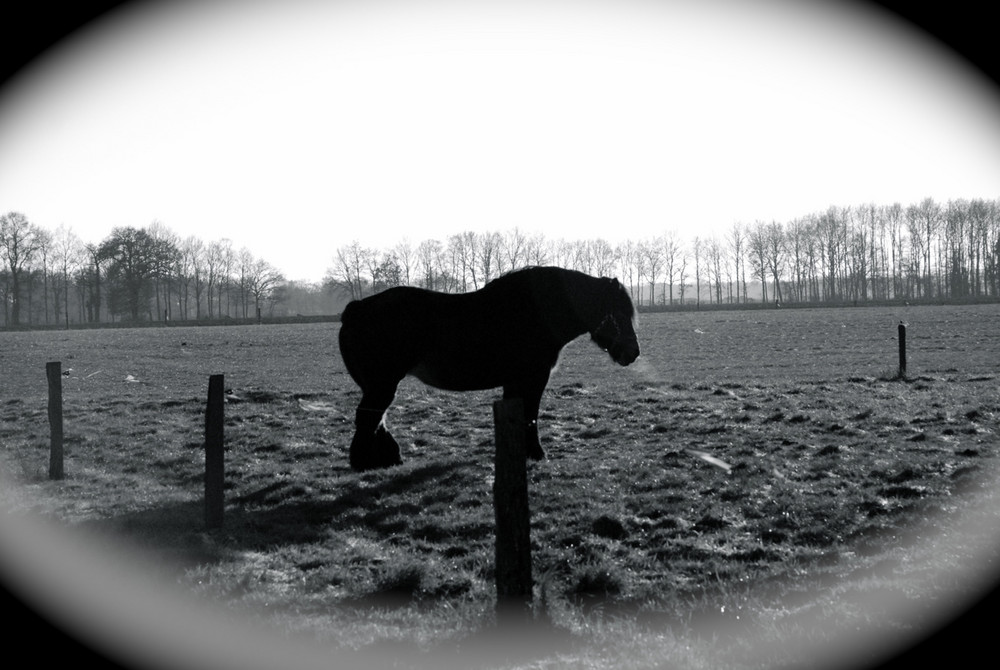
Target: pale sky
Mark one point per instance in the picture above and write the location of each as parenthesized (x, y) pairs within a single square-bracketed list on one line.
[(293, 128)]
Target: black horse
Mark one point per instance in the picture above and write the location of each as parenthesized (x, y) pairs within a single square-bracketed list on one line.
[(509, 333)]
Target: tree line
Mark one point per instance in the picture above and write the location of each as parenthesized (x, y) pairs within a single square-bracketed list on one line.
[(924, 251), (133, 275), (855, 254)]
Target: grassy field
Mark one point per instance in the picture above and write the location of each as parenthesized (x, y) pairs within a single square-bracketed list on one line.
[(859, 508)]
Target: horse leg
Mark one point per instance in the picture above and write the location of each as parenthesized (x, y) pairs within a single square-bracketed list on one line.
[(373, 446), (530, 393)]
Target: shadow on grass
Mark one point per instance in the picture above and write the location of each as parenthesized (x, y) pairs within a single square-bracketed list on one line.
[(167, 539), (281, 513)]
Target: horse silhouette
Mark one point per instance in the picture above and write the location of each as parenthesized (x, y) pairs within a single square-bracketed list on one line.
[(507, 334)]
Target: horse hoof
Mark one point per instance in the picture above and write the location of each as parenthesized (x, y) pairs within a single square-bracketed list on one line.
[(374, 451), (368, 464), (386, 449)]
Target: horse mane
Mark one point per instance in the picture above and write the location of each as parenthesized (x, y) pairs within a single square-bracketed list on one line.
[(613, 295)]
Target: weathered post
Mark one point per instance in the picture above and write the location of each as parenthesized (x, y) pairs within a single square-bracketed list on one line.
[(902, 350), (510, 501), (53, 371), (214, 438)]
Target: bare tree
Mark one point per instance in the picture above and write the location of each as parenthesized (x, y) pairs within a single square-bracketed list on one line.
[(956, 225), (796, 239), (470, 246), (536, 251), (919, 252), (133, 258), (346, 274), (19, 242), (44, 254), (91, 277), (698, 249), (487, 259), (832, 231), (682, 274), (857, 254), (460, 259), (406, 258), (386, 272), (165, 256), (513, 245), (671, 262), (187, 268), (925, 220), (978, 244), (651, 252), (737, 245), (897, 240), (217, 263), (68, 255), (627, 255), (429, 260), (561, 253), (880, 271), (775, 255), (226, 275), (757, 249), (580, 256), (713, 261), (991, 244), (244, 273), (263, 279)]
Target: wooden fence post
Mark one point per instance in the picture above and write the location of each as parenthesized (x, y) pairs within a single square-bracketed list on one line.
[(214, 464), (510, 500), (53, 371), (902, 349)]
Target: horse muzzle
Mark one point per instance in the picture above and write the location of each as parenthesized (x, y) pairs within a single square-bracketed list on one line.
[(624, 353)]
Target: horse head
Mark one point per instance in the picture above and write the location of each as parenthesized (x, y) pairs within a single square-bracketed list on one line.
[(615, 333)]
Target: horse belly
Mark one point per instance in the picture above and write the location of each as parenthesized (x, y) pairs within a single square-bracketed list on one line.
[(475, 349), (454, 377)]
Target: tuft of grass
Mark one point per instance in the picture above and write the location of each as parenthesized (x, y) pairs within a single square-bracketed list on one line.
[(595, 581), (609, 527), (893, 375), (398, 583)]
